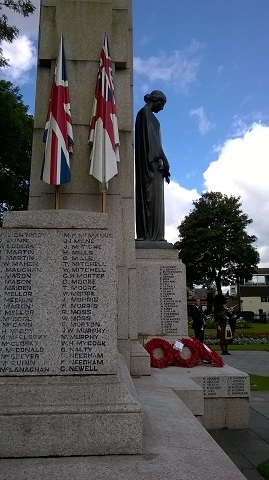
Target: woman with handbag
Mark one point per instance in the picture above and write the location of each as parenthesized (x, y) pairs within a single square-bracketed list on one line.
[(224, 331)]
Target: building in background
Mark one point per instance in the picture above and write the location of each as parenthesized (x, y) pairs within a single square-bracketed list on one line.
[(254, 293)]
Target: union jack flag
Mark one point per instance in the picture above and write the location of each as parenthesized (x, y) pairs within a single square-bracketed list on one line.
[(58, 134), (104, 132)]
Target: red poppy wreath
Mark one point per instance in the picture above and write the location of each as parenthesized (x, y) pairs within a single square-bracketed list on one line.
[(167, 349), (206, 353), (192, 360)]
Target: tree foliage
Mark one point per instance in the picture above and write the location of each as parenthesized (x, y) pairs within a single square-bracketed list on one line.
[(16, 130), (10, 32), (214, 244)]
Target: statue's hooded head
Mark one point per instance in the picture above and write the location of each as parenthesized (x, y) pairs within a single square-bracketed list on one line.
[(155, 96)]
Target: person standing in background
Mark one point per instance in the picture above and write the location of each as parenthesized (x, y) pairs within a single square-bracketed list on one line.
[(223, 319), (198, 320)]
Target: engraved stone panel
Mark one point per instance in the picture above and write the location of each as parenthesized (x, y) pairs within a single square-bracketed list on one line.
[(57, 302), (169, 299), (161, 295), (222, 385)]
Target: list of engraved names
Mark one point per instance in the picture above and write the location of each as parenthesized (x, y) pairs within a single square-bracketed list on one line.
[(170, 304), (21, 347), (83, 338), (57, 302)]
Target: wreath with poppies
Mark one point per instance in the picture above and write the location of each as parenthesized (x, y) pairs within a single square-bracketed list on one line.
[(167, 349), (192, 360), (208, 355), (171, 356)]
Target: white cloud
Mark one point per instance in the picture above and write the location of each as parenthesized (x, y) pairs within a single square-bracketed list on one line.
[(21, 54), (26, 25), (194, 46), (175, 69), (178, 203), (219, 70), (145, 40), (204, 125), (241, 170)]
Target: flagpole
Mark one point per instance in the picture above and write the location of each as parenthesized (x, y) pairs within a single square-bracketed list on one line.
[(103, 202), (57, 197)]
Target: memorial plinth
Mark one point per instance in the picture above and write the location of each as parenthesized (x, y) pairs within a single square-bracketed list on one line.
[(161, 294), (58, 353), (226, 393)]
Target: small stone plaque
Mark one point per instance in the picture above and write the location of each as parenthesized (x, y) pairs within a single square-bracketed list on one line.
[(57, 302), (223, 385)]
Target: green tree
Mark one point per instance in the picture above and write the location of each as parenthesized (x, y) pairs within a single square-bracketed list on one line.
[(9, 32), (214, 244), (16, 130)]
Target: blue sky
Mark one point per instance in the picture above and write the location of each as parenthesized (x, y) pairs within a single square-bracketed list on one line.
[(211, 59)]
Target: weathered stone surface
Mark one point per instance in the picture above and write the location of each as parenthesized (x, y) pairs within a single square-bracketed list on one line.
[(226, 394), (221, 382), (58, 297), (67, 416), (161, 294)]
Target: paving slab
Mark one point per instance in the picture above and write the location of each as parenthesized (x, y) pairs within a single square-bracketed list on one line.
[(252, 444), (176, 446), (251, 362)]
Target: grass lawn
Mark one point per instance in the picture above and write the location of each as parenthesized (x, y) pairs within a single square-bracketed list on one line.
[(260, 348), (254, 327), (258, 383), (263, 469)]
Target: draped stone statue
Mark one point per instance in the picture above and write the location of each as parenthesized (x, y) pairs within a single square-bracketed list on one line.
[(151, 168)]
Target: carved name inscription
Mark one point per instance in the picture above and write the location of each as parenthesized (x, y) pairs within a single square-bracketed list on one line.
[(57, 303), (237, 387), (21, 347), (82, 331), (231, 386), (170, 304), (211, 386)]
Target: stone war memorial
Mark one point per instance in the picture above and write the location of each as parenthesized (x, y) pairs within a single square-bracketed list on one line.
[(79, 295)]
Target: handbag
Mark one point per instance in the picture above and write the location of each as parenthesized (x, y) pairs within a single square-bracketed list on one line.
[(228, 332)]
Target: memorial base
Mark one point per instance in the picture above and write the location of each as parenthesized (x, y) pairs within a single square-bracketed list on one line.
[(64, 390), (226, 393), (161, 293), (218, 397), (67, 416)]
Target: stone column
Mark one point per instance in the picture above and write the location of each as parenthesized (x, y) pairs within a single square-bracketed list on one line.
[(64, 387), (83, 25)]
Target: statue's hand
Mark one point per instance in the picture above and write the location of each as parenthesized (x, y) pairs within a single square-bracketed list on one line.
[(166, 174)]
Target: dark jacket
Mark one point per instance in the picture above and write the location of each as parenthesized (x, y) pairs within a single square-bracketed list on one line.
[(198, 317)]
